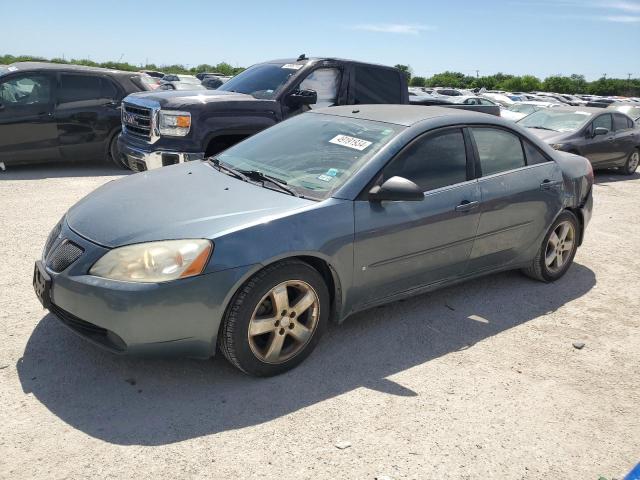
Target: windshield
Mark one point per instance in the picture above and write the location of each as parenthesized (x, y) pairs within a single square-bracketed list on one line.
[(554, 120), (262, 81), (313, 153), (3, 70)]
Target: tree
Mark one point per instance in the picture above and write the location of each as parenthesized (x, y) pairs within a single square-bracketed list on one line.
[(417, 82), (406, 69)]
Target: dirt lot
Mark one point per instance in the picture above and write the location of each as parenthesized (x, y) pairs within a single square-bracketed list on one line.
[(476, 381)]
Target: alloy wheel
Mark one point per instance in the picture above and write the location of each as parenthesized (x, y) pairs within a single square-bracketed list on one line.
[(284, 321), (560, 246), (634, 161)]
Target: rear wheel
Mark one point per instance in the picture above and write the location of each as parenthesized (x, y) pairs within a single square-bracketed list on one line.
[(557, 250), (632, 163), (276, 319), (113, 153)]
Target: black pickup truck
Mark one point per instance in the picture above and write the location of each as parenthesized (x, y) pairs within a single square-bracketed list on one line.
[(168, 127)]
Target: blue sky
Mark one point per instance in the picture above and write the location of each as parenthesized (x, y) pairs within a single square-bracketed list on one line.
[(542, 37)]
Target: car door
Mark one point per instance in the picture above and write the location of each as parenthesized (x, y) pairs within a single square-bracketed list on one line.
[(600, 149), (28, 131), (80, 111), (521, 193), (400, 246), (625, 138)]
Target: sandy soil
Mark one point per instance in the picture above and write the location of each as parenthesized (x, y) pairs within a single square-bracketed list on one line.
[(476, 381)]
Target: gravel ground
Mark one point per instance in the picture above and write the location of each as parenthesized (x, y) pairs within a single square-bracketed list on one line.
[(472, 382)]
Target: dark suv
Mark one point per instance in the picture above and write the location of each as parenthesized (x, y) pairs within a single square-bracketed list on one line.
[(51, 112)]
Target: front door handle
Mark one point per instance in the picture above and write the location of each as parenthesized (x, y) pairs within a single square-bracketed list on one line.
[(466, 206)]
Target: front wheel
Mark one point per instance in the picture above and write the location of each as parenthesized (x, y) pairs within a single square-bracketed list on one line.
[(558, 248), (632, 163), (113, 153), (275, 319)]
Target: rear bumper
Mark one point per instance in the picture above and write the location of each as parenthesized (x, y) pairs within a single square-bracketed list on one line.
[(141, 159)]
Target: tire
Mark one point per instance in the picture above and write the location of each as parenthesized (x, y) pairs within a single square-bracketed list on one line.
[(263, 333), (632, 162), (540, 269), (113, 154)]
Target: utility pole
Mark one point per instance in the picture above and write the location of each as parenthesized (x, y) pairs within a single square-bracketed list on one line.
[(477, 73)]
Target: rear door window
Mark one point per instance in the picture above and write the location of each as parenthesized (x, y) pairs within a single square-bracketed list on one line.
[(499, 150), (78, 88), (108, 89), (534, 156), (376, 85), (620, 122)]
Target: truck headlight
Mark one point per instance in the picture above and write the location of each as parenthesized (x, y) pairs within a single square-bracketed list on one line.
[(154, 262), (174, 124)]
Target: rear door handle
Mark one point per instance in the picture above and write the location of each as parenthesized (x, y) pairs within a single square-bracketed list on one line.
[(548, 185), (466, 206)]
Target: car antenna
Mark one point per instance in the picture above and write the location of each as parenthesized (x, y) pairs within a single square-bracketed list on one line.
[(302, 57)]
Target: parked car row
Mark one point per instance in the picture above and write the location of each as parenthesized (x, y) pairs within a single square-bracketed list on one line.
[(170, 81), (387, 195)]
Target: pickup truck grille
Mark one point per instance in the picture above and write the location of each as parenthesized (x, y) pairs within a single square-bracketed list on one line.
[(137, 120)]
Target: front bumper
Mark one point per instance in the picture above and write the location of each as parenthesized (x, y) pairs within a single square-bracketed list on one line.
[(181, 317), (140, 159)]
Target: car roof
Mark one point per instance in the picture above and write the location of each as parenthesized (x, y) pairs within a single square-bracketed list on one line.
[(406, 115), (324, 59), (26, 66)]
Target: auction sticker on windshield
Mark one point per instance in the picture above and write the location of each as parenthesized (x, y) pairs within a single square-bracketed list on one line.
[(292, 66), (350, 142)]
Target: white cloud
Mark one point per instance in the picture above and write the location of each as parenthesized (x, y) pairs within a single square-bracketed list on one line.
[(620, 18), (625, 6), (401, 28)]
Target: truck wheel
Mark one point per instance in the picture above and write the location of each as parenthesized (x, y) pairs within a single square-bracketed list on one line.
[(557, 250), (113, 154), (275, 319), (631, 166)]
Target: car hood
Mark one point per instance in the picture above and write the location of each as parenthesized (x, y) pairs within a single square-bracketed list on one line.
[(183, 99), (549, 136), (189, 200)]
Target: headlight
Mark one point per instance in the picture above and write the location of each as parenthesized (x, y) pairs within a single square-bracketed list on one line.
[(154, 261), (557, 146), (175, 124)]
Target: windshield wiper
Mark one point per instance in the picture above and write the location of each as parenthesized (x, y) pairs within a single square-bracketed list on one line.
[(546, 128), (258, 176), (230, 171)]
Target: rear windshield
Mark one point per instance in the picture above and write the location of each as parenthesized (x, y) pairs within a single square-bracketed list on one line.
[(262, 81)]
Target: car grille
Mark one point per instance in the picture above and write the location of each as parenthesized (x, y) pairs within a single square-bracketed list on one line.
[(137, 120), (51, 239), (63, 256)]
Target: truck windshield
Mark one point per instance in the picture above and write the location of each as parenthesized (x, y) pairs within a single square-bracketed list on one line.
[(312, 153), (262, 81)]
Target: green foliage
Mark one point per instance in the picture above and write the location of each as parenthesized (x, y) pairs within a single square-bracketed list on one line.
[(406, 69), (222, 67), (499, 81)]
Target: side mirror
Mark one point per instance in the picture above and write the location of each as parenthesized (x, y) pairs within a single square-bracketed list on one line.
[(600, 131), (396, 189), (298, 98)]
